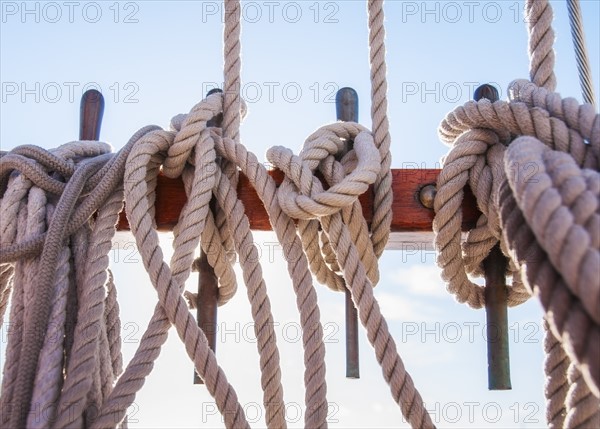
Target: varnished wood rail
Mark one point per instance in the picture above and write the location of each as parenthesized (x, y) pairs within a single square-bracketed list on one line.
[(410, 218)]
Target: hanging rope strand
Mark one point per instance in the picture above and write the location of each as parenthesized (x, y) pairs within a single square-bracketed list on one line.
[(538, 16), (232, 70), (382, 203), (555, 389), (232, 102)]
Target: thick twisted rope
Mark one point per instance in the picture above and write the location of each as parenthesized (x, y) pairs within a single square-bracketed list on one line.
[(316, 244), (142, 168), (48, 382), (232, 101), (479, 130), (297, 266), (90, 313), (113, 325), (571, 318), (32, 341), (555, 390), (232, 112), (562, 203), (532, 164), (382, 201), (302, 195), (6, 277), (538, 16), (239, 230), (351, 176), (15, 332), (51, 353), (42, 385), (232, 70), (567, 237), (105, 181), (583, 408)]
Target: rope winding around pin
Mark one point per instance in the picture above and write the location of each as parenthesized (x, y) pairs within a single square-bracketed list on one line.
[(532, 164)]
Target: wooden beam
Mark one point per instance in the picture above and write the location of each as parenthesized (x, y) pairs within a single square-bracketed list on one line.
[(409, 215)]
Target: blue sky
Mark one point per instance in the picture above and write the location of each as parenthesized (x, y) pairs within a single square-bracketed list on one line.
[(155, 59)]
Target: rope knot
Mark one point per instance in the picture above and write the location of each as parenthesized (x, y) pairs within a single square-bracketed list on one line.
[(302, 195), (193, 129)]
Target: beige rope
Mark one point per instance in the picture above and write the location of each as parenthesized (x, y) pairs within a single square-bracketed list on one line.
[(91, 310), (571, 319), (232, 70), (532, 164), (301, 195), (142, 167), (17, 310), (51, 355), (562, 202), (239, 230), (6, 277), (568, 237), (382, 201), (478, 132), (104, 182), (306, 299), (583, 408), (538, 16), (113, 325), (48, 382), (32, 342), (232, 102), (555, 367)]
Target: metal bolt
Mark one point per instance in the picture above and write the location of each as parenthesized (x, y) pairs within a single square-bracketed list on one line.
[(427, 195)]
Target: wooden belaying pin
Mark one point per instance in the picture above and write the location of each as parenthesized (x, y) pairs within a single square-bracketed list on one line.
[(208, 287), (90, 115), (346, 106), (496, 294)]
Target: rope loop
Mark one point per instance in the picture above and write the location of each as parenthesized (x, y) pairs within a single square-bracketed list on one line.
[(301, 194)]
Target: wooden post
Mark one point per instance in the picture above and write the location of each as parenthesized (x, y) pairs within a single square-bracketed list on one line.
[(346, 103), (208, 287), (496, 294)]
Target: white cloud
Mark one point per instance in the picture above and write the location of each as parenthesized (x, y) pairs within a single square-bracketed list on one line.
[(403, 307), (420, 280)]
